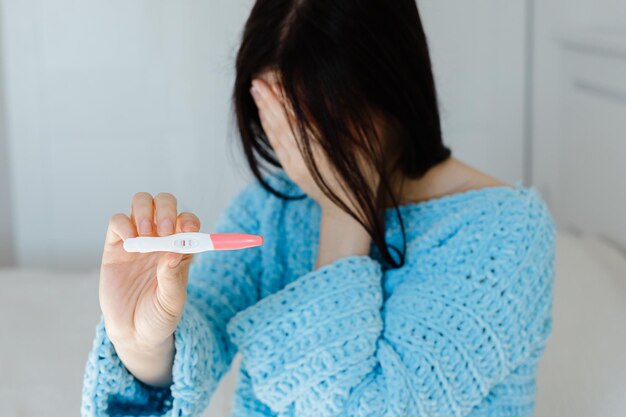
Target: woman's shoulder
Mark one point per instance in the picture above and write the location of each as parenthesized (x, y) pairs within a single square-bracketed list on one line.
[(506, 210), (521, 220), (515, 218), (494, 239), (518, 209), (480, 228)]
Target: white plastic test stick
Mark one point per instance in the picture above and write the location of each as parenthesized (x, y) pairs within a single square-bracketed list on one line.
[(192, 242)]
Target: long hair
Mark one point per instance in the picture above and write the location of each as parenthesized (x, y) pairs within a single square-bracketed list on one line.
[(343, 65)]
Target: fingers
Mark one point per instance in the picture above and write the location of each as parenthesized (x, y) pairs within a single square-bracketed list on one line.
[(267, 121), (159, 214), (267, 102), (141, 213), (274, 118), (187, 222), (120, 228), (172, 271), (165, 213), (265, 116)]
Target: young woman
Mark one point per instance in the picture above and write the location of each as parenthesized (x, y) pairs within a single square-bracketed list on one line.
[(395, 280)]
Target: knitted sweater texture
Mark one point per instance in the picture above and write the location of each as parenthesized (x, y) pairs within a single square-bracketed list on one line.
[(457, 331)]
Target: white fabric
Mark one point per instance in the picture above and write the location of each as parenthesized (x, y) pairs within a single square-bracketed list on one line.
[(583, 371)]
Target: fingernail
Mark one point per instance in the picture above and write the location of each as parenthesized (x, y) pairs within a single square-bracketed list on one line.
[(254, 91), (166, 226), (145, 227)]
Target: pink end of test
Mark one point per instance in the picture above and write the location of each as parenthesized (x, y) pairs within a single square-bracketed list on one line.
[(230, 241)]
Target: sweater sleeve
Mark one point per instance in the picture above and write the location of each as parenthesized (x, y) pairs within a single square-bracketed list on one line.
[(220, 284), (328, 344)]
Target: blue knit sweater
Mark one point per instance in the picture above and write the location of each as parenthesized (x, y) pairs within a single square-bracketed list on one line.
[(457, 331)]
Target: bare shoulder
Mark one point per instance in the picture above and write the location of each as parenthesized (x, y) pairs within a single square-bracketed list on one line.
[(448, 178), (475, 179), (488, 181)]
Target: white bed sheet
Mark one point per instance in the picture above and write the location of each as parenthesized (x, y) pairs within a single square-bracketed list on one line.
[(47, 322), (583, 370)]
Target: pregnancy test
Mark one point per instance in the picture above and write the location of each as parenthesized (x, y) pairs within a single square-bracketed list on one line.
[(192, 242)]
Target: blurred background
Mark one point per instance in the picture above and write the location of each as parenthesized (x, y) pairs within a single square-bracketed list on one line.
[(102, 99)]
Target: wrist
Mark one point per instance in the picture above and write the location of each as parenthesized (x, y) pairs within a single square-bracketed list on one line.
[(150, 364), (341, 236), (343, 225), (146, 349)]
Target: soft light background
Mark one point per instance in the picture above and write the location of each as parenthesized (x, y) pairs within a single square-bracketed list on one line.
[(101, 99)]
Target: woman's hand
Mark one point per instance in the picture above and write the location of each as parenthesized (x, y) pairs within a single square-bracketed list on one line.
[(340, 234), (142, 294), (275, 114)]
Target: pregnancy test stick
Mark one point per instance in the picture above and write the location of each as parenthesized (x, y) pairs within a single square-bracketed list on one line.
[(192, 242)]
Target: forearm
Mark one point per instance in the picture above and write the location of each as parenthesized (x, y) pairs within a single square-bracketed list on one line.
[(151, 366), (340, 236)]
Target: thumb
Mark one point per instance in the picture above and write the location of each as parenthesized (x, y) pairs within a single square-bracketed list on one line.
[(172, 282)]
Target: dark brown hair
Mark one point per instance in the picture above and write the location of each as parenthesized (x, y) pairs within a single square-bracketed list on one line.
[(342, 64)]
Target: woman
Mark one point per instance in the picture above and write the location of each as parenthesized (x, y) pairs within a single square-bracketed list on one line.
[(394, 280)]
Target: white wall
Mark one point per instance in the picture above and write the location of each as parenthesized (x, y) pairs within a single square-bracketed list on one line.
[(109, 98), (105, 99), (552, 18), (478, 49), (6, 230), (578, 134)]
